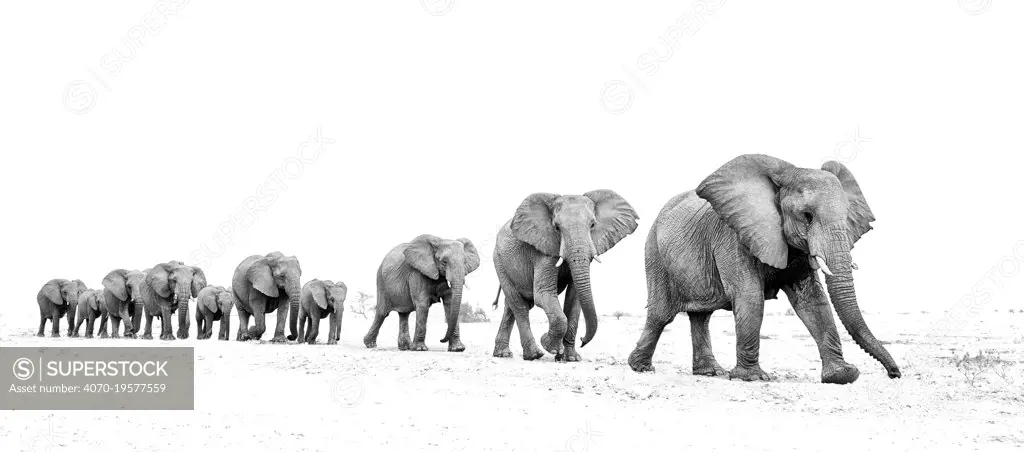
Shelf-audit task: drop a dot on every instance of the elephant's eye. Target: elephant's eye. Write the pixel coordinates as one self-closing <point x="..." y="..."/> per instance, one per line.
<point x="593" y="224"/>
<point x="808" y="217"/>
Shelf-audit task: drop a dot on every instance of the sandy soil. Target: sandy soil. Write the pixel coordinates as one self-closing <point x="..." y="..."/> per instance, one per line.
<point x="262" y="396"/>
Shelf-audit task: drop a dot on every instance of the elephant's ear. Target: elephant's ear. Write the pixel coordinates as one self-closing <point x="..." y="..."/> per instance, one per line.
<point x="261" y="278"/>
<point x="859" y="216"/>
<point x="615" y="219"/>
<point x="420" y="255"/>
<point x="319" y="293"/>
<point x="115" y="282"/>
<point x="52" y="292"/>
<point x="340" y="292"/>
<point x="157" y="279"/>
<point x="198" y="281"/>
<point x="744" y="194"/>
<point x="472" y="256"/>
<point x="533" y="223"/>
<point x="92" y="300"/>
<point x="208" y="300"/>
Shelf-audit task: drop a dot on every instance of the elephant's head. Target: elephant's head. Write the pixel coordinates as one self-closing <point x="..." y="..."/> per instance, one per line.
<point x="218" y="298"/>
<point x="276" y="274"/>
<point x="62" y="292"/>
<point x="452" y="260"/>
<point x="783" y="214"/>
<point x="124" y="284"/>
<point x="575" y="229"/>
<point x="174" y="279"/>
<point x="328" y="293"/>
<point x="91" y="299"/>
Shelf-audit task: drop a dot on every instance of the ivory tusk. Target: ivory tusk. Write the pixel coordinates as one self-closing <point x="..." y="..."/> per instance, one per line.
<point x="559" y="263"/>
<point x="597" y="259"/>
<point x="853" y="265"/>
<point x="823" y="265"/>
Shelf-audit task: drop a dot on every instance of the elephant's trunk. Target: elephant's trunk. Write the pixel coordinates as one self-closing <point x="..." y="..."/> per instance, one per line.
<point x="183" y="320"/>
<point x="294" y="291"/>
<point x="844" y="297"/>
<point x="579" y="265"/>
<point x="454" y="307"/>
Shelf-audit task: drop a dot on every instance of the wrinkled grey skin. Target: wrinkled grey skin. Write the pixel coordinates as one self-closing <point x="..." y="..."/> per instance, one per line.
<point x="122" y="295"/>
<point x="319" y="300"/>
<point x="214" y="303"/>
<point x="90" y="306"/>
<point x="754" y="227"/>
<point x="167" y="288"/>
<point x="56" y="298"/>
<point x="548" y="229"/>
<point x="262" y="285"/>
<point x="417" y="274"/>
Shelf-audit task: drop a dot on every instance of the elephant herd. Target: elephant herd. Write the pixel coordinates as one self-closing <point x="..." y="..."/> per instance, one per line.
<point x="755" y="226"/>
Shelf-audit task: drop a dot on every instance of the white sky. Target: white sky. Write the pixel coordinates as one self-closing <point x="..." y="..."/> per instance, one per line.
<point x="443" y="124"/>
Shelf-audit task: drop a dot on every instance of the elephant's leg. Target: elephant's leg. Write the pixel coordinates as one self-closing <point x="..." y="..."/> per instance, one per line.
<point x="704" y="362"/>
<point x="166" y="324"/>
<point x="748" y="310"/>
<point x="74" y="332"/>
<point x="90" y="322"/>
<point x="259" y="316"/>
<point x="521" y="314"/>
<point x="148" y="334"/>
<point x="811" y="305"/>
<point x="42" y="325"/>
<point x="314" y="324"/>
<point x="572" y="316"/>
<point x="55" y="318"/>
<point x="404" y="341"/>
<point x="419" y="343"/>
<point x="200" y="323"/>
<point x="103" y="325"/>
<point x="501" y="340"/>
<point x="370" y="339"/>
<point x="660" y="313"/>
<point x="304" y="325"/>
<point x="282" y="321"/>
<point x="225" y="326"/>
<point x="243" y="325"/>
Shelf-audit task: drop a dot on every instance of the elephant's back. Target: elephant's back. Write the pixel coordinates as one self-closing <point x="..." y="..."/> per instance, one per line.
<point x="685" y="238"/>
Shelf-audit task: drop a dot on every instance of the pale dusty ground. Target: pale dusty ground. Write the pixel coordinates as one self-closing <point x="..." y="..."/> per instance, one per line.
<point x="262" y="396"/>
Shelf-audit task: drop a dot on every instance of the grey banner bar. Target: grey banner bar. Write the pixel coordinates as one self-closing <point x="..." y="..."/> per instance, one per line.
<point x="97" y="378"/>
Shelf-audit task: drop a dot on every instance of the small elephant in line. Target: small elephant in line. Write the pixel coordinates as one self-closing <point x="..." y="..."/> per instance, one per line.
<point x="213" y="303"/>
<point x="417" y="274"/>
<point x="166" y="289"/>
<point x="756" y="226"/>
<point x="90" y="307"/>
<point x="123" y="299"/>
<point x="262" y="285"/>
<point x="319" y="300"/>
<point x="56" y="298"/>
<point x="547" y="247"/>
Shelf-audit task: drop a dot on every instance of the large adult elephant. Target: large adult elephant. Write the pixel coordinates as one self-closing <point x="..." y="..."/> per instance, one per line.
<point x="56" y="298"/>
<point x="547" y="247"/>
<point x="754" y="227"/>
<point x="417" y="274"/>
<point x="165" y="289"/>
<point x="262" y="285"/>
<point x="121" y="294"/>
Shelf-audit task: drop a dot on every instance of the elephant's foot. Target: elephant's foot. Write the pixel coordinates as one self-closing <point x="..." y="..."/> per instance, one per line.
<point x="370" y="342"/>
<point x="640" y="361"/>
<point x="147" y="336"/>
<point x="753" y="373"/>
<point x="280" y="339"/>
<point x="129" y="336"/>
<point x="332" y="341"/>
<point x="40" y="335"/>
<point x="419" y="346"/>
<point x="54" y="334"/>
<point x="455" y="345"/>
<point x="253" y="333"/>
<point x="104" y="335"/>
<point x="839" y="372"/>
<point x="182" y="334"/>
<point x="404" y="342"/>
<point x="708" y="366"/>
<point x="87" y="335"/>
<point x="502" y="351"/>
<point x="166" y="337"/>
<point x="531" y="353"/>
<point x="551" y="344"/>
<point x="569" y="355"/>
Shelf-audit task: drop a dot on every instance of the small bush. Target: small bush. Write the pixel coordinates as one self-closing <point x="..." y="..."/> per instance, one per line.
<point x="973" y="367"/>
<point x="789" y="312"/>
<point x="1012" y="311"/>
<point x="619" y="314"/>
<point x="469" y="314"/>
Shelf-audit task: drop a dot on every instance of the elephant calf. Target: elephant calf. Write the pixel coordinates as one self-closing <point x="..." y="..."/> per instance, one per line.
<point x="213" y="303"/>
<point x="56" y="298"/>
<point x="321" y="299"/>
<point x="417" y="274"/>
<point x="90" y="306"/>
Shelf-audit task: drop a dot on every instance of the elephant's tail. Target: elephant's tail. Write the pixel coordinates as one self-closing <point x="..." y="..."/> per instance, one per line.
<point x="496" y="297"/>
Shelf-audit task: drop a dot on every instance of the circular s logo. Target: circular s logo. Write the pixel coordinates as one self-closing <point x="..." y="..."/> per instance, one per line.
<point x="24" y="369"/>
